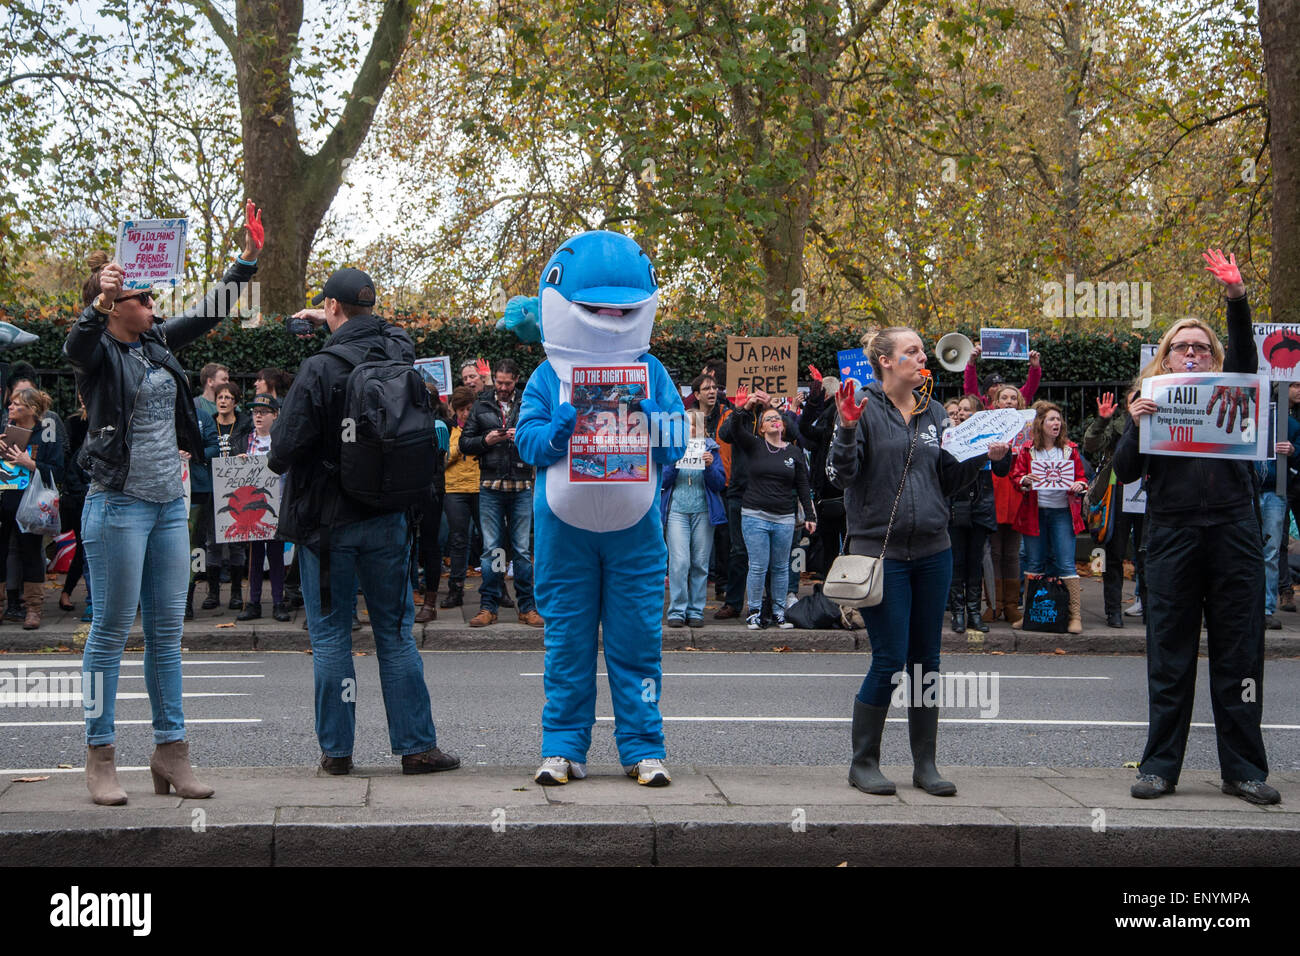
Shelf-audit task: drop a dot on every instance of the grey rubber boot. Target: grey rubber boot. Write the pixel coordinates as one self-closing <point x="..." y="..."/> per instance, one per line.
<point x="923" y="728"/>
<point x="864" y="772"/>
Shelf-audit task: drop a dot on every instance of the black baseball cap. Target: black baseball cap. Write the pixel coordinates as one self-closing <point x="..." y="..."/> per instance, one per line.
<point x="269" y="402"/>
<point x="350" y="286"/>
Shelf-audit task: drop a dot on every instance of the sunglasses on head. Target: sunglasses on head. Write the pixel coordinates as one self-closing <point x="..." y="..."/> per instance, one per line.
<point x="146" y="298"/>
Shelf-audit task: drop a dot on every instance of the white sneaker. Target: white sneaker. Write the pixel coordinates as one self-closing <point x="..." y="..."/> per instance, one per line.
<point x="650" y="773"/>
<point x="557" y="770"/>
<point x="1135" y="609"/>
<point x="782" y="623"/>
<point x="790" y="599"/>
<point x="754" y="621"/>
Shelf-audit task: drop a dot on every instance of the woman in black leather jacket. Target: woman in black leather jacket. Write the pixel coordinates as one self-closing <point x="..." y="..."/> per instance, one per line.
<point x="134" y="524"/>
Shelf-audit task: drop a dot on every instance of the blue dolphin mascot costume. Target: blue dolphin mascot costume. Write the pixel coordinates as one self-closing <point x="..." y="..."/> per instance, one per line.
<point x="600" y="558"/>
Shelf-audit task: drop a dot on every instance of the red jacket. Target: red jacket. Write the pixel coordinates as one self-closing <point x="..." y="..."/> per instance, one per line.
<point x="1027" y="517"/>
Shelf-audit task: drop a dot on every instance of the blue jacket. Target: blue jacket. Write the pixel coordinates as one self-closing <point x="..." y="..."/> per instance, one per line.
<point x="715" y="482"/>
<point x="201" y="472"/>
<point x="1268" y="469"/>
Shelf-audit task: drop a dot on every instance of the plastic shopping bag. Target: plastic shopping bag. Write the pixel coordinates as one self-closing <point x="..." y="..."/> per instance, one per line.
<point x="38" y="512"/>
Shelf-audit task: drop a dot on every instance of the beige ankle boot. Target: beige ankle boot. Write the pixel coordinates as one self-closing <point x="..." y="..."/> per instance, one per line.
<point x="170" y="766"/>
<point x="34" y="599"/>
<point x="1076" y="606"/>
<point x="101" y="776"/>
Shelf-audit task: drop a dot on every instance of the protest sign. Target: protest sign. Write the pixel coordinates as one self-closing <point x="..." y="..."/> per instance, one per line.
<point x="13" y="477"/>
<point x="1148" y="353"/>
<point x="436" y="371"/>
<point x="1005" y="344"/>
<point x="855" y="367"/>
<point x="763" y="363"/>
<point x="245" y="499"/>
<point x="1205" y="415"/>
<point x="1052" y="475"/>
<point x="1135" y="498"/>
<point x="693" y="460"/>
<point x="151" y="252"/>
<point x="973" y="436"/>
<point x="610" y="441"/>
<point x="1279" y="351"/>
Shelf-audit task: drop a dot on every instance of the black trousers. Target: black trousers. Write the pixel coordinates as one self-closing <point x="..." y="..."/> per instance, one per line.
<point x="1112" y="579"/>
<point x="426" y="544"/>
<point x="462" y="511"/>
<point x="1217" y="572"/>
<point x="70" y="508"/>
<point x="29" y="549"/>
<point x="968" y="560"/>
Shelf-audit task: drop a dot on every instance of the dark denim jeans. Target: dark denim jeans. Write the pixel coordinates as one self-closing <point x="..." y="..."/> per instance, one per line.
<point x="496" y="509"/>
<point x="905" y="628"/>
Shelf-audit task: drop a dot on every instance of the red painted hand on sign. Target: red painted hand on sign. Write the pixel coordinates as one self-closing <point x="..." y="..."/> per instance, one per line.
<point x="1233" y="399"/>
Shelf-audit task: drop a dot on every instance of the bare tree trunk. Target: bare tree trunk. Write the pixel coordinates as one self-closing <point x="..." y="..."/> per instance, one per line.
<point x="1279" y="29"/>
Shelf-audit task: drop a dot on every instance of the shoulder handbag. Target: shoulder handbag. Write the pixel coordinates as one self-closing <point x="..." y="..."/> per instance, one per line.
<point x="1100" y="505"/>
<point x="858" y="580"/>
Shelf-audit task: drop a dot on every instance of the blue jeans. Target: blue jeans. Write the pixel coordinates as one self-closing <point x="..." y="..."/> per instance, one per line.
<point x="1273" y="509"/>
<point x="516" y="509"/>
<point x="906" y="627"/>
<point x="376" y="554"/>
<point x="138" y="554"/>
<point x="690" y="543"/>
<point x="1051" y="551"/>
<point x="768" y="546"/>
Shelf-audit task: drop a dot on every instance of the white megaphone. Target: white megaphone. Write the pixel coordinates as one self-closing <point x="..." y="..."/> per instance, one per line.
<point x="954" y="351"/>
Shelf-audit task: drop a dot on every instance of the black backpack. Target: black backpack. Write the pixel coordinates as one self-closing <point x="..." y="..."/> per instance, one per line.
<point x="389" y="455"/>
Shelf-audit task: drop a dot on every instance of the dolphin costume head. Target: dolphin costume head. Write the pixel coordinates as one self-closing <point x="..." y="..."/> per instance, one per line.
<point x="595" y="303"/>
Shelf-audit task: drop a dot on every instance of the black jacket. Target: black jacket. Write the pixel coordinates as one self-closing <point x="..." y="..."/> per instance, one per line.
<point x="817" y="426"/>
<point x="975" y="504"/>
<point x="1197" y="491"/>
<point x="109" y="380"/>
<point x="239" y="431"/>
<point x="307" y="437"/>
<point x="499" y="461"/>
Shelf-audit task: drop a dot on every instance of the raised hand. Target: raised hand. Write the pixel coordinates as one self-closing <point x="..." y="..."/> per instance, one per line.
<point x="812" y="370"/>
<point x="1035" y="360"/>
<point x="850" y="409"/>
<point x="742" y="396"/>
<point x="110" y="284"/>
<point x="974" y="355"/>
<point x="256" y="233"/>
<point x="1106" y="405"/>
<point x="1232" y="400"/>
<point x="1225" y="270"/>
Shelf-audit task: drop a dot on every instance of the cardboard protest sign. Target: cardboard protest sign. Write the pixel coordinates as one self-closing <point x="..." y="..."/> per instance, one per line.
<point x="973" y="436"/>
<point x="1279" y="351"/>
<point x="1205" y="415"/>
<point x="151" y="252"/>
<point x="763" y="363"/>
<point x="693" y="460"/>
<point x="1005" y="344"/>
<point x="1052" y="475"/>
<point x="1135" y="498"/>
<point x="245" y="499"/>
<point x="608" y="443"/>
<point x="436" y="371"/>
<point x="855" y="367"/>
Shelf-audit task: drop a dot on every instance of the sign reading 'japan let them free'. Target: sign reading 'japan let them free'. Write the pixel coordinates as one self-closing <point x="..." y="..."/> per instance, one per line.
<point x="768" y="363"/>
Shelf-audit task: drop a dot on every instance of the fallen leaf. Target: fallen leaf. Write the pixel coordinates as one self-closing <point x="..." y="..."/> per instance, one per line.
<point x="1131" y="764"/>
<point x="230" y="624"/>
<point x="65" y="766"/>
<point x="1059" y="650"/>
<point x="30" y="779"/>
<point x="358" y="653"/>
<point x="997" y="653"/>
<point x="844" y="864"/>
<point x="783" y="649"/>
<point x="690" y="648"/>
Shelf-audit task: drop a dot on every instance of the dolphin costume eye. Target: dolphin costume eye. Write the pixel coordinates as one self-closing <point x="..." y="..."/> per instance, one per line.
<point x="553" y="274"/>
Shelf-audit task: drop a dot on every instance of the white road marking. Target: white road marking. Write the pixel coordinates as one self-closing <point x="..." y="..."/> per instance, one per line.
<point x="53" y="700"/>
<point x="6" y="661"/>
<point x="856" y="676"/>
<point x="30" y="770"/>
<point x="942" y="720"/>
<point x="130" y="723"/>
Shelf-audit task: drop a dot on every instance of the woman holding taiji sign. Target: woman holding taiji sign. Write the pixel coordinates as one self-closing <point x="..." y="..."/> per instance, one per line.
<point x="897" y="480"/>
<point x="134" y="524"/>
<point x="1205" y="558"/>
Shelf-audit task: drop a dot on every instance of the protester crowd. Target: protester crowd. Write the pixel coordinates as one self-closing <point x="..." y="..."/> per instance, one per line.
<point x="772" y="490"/>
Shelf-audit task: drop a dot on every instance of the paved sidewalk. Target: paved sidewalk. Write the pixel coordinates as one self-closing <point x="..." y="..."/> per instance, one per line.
<point x="710" y="815"/>
<point x="218" y="630"/>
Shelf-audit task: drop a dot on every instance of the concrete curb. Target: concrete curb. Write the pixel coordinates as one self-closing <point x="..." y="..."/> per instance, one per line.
<point x="451" y="636"/>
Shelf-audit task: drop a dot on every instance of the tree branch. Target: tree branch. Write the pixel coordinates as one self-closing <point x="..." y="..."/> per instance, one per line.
<point x="219" y="24"/>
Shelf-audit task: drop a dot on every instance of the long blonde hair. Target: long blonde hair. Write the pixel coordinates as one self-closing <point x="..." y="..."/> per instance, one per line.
<point x="1157" y="365"/>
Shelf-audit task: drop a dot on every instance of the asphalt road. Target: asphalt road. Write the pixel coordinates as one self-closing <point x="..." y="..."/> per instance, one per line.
<point x="255" y="709"/>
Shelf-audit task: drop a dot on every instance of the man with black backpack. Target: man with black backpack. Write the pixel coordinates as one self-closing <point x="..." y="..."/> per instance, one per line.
<point x="355" y="441"/>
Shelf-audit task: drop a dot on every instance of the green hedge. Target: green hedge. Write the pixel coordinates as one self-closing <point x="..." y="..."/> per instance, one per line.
<point x="682" y="345"/>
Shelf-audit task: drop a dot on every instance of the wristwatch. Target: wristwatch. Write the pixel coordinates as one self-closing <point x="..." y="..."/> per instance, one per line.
<point x="98" y="307"/>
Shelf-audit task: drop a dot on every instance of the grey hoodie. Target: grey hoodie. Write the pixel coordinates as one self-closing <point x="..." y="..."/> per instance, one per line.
<point x="867" y="462"/>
